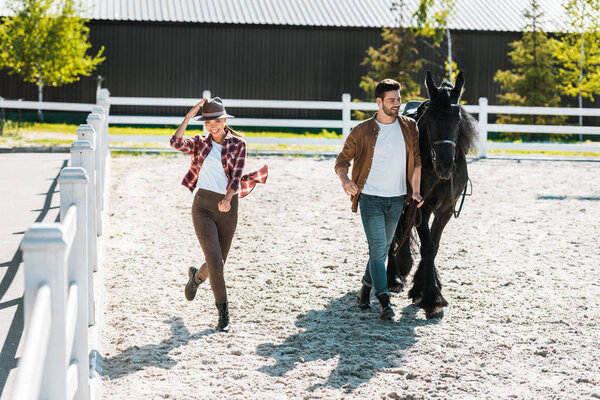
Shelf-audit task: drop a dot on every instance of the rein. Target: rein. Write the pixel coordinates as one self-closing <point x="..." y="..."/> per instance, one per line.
<point x="412" y="214"/>
<point x="462" y="201"/>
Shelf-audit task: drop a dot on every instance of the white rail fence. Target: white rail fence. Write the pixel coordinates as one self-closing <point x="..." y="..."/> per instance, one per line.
<point x="346" y="106"/>
<point x="346" y="123"/>
<point x="60" y="260"/>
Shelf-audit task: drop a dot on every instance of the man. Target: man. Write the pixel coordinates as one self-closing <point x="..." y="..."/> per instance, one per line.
<point x="387" y="167"/>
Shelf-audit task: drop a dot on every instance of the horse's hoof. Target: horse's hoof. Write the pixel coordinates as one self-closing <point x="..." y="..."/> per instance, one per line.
<point x="396" y="288"/>
<point x="436" y="313"/>
<point x="417" y="301"/>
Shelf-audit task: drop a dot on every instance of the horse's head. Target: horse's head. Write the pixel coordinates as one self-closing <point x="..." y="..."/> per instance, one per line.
<point x="442" y="120"/>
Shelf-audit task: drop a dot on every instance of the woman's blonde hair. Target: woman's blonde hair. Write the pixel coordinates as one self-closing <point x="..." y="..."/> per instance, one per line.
<point x="233" y="132"/>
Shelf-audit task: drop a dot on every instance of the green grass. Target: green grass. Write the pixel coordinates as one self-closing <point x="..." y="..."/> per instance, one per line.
<point x="47" y="134"/>
<point x="166" y="131"/>
<point x="547" y="153"/>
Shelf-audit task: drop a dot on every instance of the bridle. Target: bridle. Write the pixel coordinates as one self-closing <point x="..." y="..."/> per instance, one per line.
<point x="433" y="153"/>
<point x="437" y="142"/>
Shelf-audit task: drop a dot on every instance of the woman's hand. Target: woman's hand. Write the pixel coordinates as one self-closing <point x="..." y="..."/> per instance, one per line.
<point x="194" y="111"/>
<point x="224" y="205"/>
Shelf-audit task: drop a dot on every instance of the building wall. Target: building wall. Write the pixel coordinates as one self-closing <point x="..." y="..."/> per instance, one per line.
<point x="253" y="62"/>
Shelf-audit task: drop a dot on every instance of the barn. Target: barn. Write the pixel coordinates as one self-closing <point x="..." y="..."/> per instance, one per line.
<point x="272" y="49"/>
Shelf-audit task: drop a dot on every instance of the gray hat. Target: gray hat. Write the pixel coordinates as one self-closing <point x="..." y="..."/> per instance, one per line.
<point x="213" y="109"/>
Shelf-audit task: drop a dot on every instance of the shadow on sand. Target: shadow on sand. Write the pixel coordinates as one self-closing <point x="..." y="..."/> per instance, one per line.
<point x="363" y="345"/>
<point x="136" y="358"/>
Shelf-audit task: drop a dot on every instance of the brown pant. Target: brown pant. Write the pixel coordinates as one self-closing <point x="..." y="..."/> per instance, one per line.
<point x="215" y="230"/>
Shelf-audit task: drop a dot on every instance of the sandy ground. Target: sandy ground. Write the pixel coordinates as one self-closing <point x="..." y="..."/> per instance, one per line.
<point x="520" y="268"/>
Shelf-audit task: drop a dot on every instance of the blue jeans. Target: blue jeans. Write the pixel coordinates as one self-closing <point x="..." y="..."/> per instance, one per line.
<point x="380" y="217"/>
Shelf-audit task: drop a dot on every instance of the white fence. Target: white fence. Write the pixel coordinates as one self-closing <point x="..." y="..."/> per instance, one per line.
<point x="60" y="260"/>
<point x="346" y="106"/>
<point x="346" y="123"/>
<point x="484" y="127"/>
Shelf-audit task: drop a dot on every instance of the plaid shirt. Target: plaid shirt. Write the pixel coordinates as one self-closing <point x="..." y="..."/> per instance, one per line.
<point x="233" y="158"/>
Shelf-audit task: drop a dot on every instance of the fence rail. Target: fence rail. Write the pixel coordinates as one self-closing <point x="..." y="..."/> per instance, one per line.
<point x="346" y="123"/>
<point x="59" y="261"/>
<point x="46" y="105"/>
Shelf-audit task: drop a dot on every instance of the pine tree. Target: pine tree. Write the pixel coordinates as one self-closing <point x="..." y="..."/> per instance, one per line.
<point x="398" y="57"/>
<point x="533" y="80"/>
<point x="46" y="47"/>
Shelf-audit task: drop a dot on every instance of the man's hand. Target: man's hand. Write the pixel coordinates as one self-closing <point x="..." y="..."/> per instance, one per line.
<point x="349" y="187"/>
<point x="224" y="205"/>
<point x="418" y="198"/>
<point x="194" y="111"/>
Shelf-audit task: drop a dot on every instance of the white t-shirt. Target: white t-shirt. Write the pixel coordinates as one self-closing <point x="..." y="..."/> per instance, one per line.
<point x="387" y="176"/>
<point x="212" y="175"/>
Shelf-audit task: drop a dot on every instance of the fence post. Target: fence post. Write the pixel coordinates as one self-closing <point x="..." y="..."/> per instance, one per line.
<point x="44" y="257"/>
<point x="87" y="132"/>
<point x="100" y="153"/>
<point x="205" y="95"/>
<point x="103" y="100"/>
<point x="346" y="115"/>
<point x="74" y="186"/>
<point x="483" y="122"/>
<point x="96" y="121"/>
<point x="82" y="155"/>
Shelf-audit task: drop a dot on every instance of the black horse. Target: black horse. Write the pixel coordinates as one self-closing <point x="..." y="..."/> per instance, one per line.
<point x="446" y="132"/>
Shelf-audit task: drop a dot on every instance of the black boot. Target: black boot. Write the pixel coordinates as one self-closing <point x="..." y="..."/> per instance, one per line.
<point x="385" y="307"/>
<point x="192" y="285"/>
<point x="363" y="297"/>
<point x="223" y="325"/>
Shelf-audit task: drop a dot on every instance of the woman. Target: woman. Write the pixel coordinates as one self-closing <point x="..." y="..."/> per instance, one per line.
<point x="217" y="162"/>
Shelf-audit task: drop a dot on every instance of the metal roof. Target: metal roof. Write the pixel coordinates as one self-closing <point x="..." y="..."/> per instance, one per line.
<point x="481" y="15"/>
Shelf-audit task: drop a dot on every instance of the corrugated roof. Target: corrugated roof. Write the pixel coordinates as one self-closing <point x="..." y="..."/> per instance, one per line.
<point x="484" y="15"/>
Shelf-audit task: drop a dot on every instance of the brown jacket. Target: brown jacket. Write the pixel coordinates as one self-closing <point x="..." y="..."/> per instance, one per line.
<point x="360" y="146"/>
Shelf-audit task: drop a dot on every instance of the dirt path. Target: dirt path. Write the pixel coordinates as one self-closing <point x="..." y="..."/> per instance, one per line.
<point x="520" y="268"/>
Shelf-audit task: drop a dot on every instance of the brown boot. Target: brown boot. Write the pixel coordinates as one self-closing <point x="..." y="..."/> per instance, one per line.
<point x="192" y="285"/>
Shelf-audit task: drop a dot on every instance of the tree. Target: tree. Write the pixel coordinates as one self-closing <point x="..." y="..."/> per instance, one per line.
<point x="395" y="59"/>
<point x="533" y="80"/>
<point x="398" y="57"/>
<point x="578" y="51"/>
<point x="46" y="43"/>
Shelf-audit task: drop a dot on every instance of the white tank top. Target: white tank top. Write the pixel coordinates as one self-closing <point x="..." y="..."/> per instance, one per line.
<point x="212" y="175"/>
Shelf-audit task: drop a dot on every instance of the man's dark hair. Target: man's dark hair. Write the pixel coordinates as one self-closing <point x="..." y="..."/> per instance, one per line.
<point x="385" y="86"/>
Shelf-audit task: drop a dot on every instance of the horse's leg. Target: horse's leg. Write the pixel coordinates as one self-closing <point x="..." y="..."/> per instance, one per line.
<point x="416" y="292"/>
<point x="432" y="300"/>
<point x="437" y="227"/>
<point x="399" y="266"/>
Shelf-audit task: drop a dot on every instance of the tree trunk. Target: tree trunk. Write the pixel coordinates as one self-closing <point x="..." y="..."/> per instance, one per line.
<point x="40" y="98"/>
<point x="450" y="73"/>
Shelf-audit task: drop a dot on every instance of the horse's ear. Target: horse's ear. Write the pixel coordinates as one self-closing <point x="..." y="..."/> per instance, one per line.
<point x="431" y="89"/>
<point x="458" y="86"/>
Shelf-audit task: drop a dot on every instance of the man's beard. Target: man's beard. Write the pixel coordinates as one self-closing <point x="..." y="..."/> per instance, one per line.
<point x="390" y="112"/>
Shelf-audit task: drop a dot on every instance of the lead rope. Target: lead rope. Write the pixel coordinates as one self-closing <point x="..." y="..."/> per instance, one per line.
<point x="413" y="213"/>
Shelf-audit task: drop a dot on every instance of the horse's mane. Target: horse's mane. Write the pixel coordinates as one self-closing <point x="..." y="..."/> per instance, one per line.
<point x="467" y="127"/>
